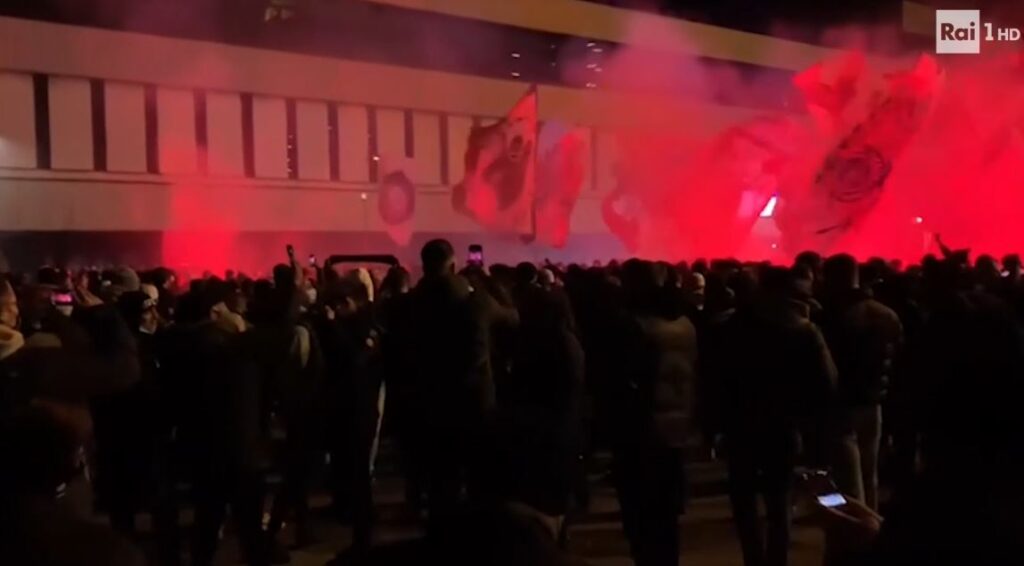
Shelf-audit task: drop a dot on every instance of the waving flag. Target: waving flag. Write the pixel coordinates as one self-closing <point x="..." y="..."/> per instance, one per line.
<point x="396" y="200"/>
<point x="622" y="212"/>
<point x="852" y="176"/>
<point x="498" y="187"/>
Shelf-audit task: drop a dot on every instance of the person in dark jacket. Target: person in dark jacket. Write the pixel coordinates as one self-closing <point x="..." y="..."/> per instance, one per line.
<point x="971" y="438"/>
<point x="394" y="309"/>
<point x="223" y="424"/>
<point x="452" y="326"/>
<point x="542" y="404"/>
<point x="775" y="378"/>
<point x="350" y="339"/>
<point x="134" y="431"/>
<point x="863" y="336"/>
<point x="42" y="456"/>
<point x="653" y="384"/>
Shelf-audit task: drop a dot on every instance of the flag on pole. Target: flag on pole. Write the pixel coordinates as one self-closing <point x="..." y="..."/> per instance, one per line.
<point x="499" y="183"/>
<point x="560" y="175"/>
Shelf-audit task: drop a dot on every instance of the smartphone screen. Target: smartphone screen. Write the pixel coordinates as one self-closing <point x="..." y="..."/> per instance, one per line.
<point x="476" y="255"/>
<point x="831" y="500"/>
<point x="62" y="299"/>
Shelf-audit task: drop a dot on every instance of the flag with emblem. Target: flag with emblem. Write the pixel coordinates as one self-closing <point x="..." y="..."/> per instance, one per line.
<point x="498" y="187"/>
<point x="396" y="199"/>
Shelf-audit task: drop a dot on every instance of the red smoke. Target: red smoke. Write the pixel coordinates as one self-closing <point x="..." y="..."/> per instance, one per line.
<point x="877" y="165"/>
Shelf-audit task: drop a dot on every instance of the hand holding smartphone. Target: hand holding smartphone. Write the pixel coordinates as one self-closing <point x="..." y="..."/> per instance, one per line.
<point x="821" y="487"/>
<point x="475" y="256"/>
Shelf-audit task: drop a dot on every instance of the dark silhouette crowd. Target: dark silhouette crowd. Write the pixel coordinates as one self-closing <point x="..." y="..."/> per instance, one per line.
<point x="133" y="401"/>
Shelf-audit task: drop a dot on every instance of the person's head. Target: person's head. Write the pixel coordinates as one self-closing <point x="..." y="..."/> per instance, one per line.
<point x="139" y="311"/>
<point x="39" y="454"/>
<point x="53" y="277"/>
<point x="214" y="298"/>
<point x="810" y="259"/>
<point x="640" y="285"/>
<point x="673" y="279"/>
<point x="526" y="273"/>
<point x="236" y="301"/>
<point x="35" y="303"/>
<point x="547" y="278"/>
<point x="776" y="284"/>
<point x="986" y="270"/>
<point x="164" y="279"/>
<point x="344" y="297"/>
<point x="743" y="286"/>
<point x="396" y="282"/>
<point x="10" y="314"/>
<point x="120" y="280"/>
<point x="1012" y="265"/>
<point x="363" y="277"/>
<point x="840" y="273"/>
<point x="284" y="276"/>
<point x="438" y="258"/>
<point x="718" y="297"/>
<point x="694" y="285"/>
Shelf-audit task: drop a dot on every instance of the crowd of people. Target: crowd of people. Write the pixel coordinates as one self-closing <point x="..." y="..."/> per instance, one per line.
<point x="498" y="385"/>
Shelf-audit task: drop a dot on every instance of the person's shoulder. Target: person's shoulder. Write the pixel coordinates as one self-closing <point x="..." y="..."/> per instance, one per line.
<point x="875" y="312"/>
<point x="54" y="537"/>
<point x="108" y="547"/>
<point x="802" y="329"/>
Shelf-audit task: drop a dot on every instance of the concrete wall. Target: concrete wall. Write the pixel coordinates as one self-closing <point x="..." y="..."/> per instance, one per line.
<point x="147" y="134"/>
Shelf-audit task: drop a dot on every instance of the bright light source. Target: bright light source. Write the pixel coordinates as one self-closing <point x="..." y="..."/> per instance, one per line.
<point x="775" y="246"/>
<point x="364" y="196"/>
<point x="515" y="74"/>
<point x="918" y="220"/>
<point x="769" y="209"/>
<point x="515" y="54"/>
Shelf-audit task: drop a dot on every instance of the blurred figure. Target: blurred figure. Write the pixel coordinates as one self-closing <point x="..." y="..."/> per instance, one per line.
<point x="541" y="405"/>
<point x="863" y="336"/>
<point x="351" y="343"/>
<point x="775" y="379"/>
<point x="220" y="387"/>
<point x="134" y="432"/>
<point x="654" y="385"/>
<point x="452" y="324"/>
<point x="41" y="457"/>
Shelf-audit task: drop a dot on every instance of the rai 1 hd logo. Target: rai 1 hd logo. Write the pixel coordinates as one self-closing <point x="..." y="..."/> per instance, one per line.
<point x="962" y="31"/>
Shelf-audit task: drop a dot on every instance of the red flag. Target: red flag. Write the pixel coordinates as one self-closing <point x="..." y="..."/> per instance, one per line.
<point x="396" y="200"/>
<point x="851" y="179"/>
<point x="829" y="88"/>
<point x="498" y="186"/>
<point x="622" y="211"/>
<point x="559" y="181"/>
